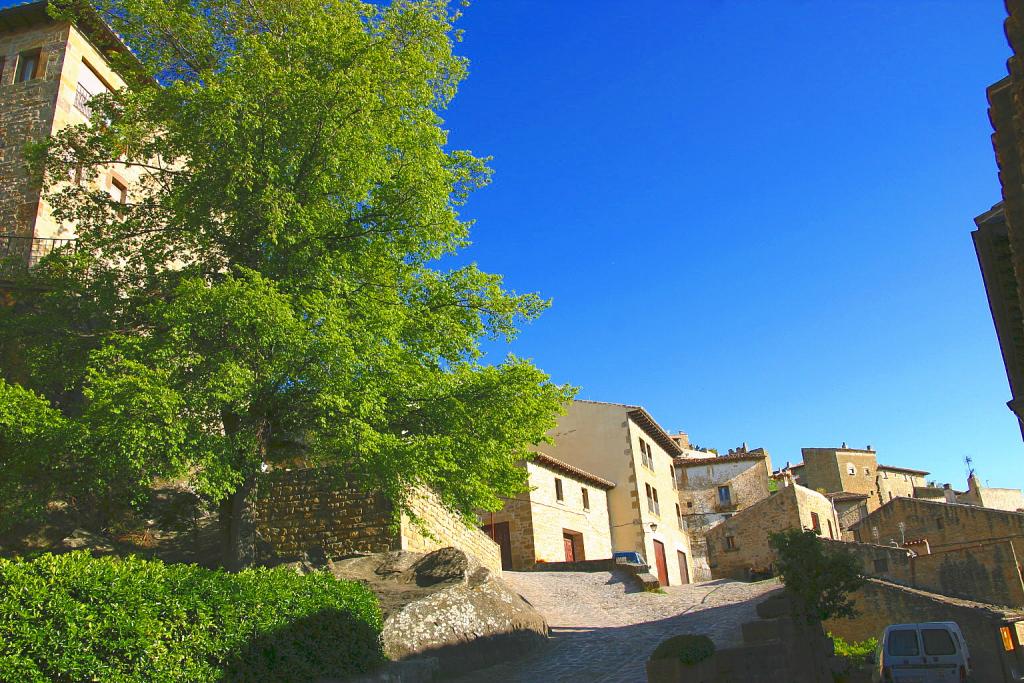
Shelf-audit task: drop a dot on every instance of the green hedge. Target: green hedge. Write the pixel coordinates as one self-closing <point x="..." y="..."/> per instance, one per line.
<point x="688" y="649"/>
<point x="77" y="618"/>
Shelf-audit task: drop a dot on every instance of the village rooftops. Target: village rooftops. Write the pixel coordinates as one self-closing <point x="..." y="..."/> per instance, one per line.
<point x="571" y="471"/>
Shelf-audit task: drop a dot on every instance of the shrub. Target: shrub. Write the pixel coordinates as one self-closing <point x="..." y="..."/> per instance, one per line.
<point x="856" y="653"/>
<point x="688" y="649"/>
<point x="77" y="618"/>
<point x="820" y="577"/>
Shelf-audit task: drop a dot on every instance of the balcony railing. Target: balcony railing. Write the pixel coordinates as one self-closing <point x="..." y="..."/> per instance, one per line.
<point x="82" y="97"/>
<point x="18" y="253"/>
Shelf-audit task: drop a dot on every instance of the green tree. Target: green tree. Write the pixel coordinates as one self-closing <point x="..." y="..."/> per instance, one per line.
<point x="820" y="577"/>
<point x="279" y="278"/>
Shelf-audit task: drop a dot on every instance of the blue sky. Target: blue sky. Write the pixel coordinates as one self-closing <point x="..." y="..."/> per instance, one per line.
<point x="753" y="218"/>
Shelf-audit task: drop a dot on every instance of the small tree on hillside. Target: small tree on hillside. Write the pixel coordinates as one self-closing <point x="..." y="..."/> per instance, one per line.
<point x="819" y="577"/>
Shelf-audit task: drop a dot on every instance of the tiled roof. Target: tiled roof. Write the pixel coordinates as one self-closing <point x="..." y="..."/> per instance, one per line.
<point x="654" y="430"/>
<point x="720" y="458"/>
<point x="902" y="469"/>
<point x="843" y="496"/>
<point x="571" y="470"/>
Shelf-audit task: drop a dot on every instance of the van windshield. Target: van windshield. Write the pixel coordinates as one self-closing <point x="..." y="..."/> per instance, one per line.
<point x="937" y="642"/>
<point x="903" y="643"/>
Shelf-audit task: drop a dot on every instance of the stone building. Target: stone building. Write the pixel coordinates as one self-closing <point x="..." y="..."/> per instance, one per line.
<point x="49" y="71"/>
<point x="1011" y="500"/>
<point x="999" y="237"/>
<point x="944" y="525"/>
<point x="623" y="444"/>
<point x="562" y="518"/>
<point x="712" y="489"/>
<point x="856" y="472"/>
<point x="738" y="547"/>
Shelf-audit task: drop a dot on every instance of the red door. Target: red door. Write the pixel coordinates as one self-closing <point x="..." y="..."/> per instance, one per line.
<point x="500" y="534"/>
<point x="684" y="573"/>
<point x="659" y="562"/>
<point x="570" y="550"/>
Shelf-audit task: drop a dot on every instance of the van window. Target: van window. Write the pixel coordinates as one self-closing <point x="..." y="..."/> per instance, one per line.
<point x="937" y="642"/>
<point x="903" y="643"/>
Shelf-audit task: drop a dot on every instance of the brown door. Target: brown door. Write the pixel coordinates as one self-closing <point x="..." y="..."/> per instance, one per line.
<point x="570" y="550"/>
<point x="684" y="573"/>
<point x="659" y="562"/>
<point x="500" y="534"/>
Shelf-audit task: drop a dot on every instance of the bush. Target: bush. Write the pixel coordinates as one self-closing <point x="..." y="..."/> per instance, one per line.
<point x="688" y="649"/>
<point x="854" y="654"/>
<point x="77" y="618"/>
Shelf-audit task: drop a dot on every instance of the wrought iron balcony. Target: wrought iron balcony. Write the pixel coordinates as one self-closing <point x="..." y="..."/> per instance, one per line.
<point x="18" y="253"/>
<point x="82" y="97"/>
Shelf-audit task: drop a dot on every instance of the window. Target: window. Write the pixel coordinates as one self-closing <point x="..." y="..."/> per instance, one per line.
<point x="905" y="478"/>
<point x="903" y="643"/>
<point x="28" y="66"/>
<point x="881" y="565"/>
<point x="890" y="495"/>
<point x="830" y="532"/>
<point x="558" y="489"/>
<point x="119" y="191"/>
<point x="938" y="522"/>
<point x="652" y="499"/>
<point x="730" y="543"/>
<point x="937" y="642"/>
<point x="646" y="456"/>
<point x="586" y="498"/>
<point x="89" y="84"/>
<point x="885" y="475"/>
<point x="850" y="469"/>
<point x="679" y="515"/>
<point x="672" y="473"/>
<point x="689" y="503"/>
<point x="815" y="522"/>
<point x="867" y="471"/>
<point x="724" y="495"/>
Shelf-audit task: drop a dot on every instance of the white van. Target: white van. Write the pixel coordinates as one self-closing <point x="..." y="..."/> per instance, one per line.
<point x="933" y="652"/>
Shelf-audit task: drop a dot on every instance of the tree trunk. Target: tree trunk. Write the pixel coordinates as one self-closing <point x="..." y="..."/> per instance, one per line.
<point x="236" y="537"/>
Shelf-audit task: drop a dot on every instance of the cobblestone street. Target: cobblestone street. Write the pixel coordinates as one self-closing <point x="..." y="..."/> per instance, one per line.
<point x="603" y="631"/>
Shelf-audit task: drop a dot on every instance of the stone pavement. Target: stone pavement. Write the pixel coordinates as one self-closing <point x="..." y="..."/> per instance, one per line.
<point x="602" y="630"/>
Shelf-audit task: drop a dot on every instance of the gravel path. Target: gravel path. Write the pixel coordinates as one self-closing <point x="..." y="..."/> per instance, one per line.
<point x="602" y="631"/>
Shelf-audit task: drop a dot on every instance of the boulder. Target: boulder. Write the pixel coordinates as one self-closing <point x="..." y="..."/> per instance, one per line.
<point x="443" y="605"/>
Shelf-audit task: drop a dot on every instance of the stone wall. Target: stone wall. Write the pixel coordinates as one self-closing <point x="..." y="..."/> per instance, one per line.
<point x="881" y="603"/>
<point x="791" y="508"/>
<point x="443" y="528"/>
<point x="986" y="573"/>
<point x="26" y="114"/>
<point x="945" y="525"/>
<point x="304" y="510"/>
<point x="309" y="511"/>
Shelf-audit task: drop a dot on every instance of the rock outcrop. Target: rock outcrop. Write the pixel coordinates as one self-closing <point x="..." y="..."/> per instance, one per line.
<point x="446" y="606"/>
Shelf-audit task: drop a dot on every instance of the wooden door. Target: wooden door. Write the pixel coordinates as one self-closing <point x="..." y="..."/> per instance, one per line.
<point x="684" y="573"/>
<point x="501" y="535"/>
<point x="570" y="550"/>
<point x="660" y="563"/>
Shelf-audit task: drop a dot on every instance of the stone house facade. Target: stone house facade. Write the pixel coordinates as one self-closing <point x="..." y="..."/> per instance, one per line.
<point x="857" y="472"/>
<point x="562" y="518"/>
<point x="739" y="546"/>
<point x="712" y="489"/>
<point x="1011" y="500"/>
<point x="623" y="444"/>
<point x="49" y="70"/>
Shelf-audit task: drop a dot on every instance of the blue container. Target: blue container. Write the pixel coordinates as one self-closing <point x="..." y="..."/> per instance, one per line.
<point x="631" y="556"/>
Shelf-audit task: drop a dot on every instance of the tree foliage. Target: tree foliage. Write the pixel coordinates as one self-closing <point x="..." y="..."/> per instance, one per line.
<point x="279" y="278"/>
<point x="820" y="577"/>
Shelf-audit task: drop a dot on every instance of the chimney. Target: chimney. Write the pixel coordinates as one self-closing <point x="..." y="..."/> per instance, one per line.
<point x="844" y="445"/>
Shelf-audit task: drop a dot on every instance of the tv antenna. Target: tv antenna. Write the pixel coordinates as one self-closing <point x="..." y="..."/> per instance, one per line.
<point x="969" y="462"/>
